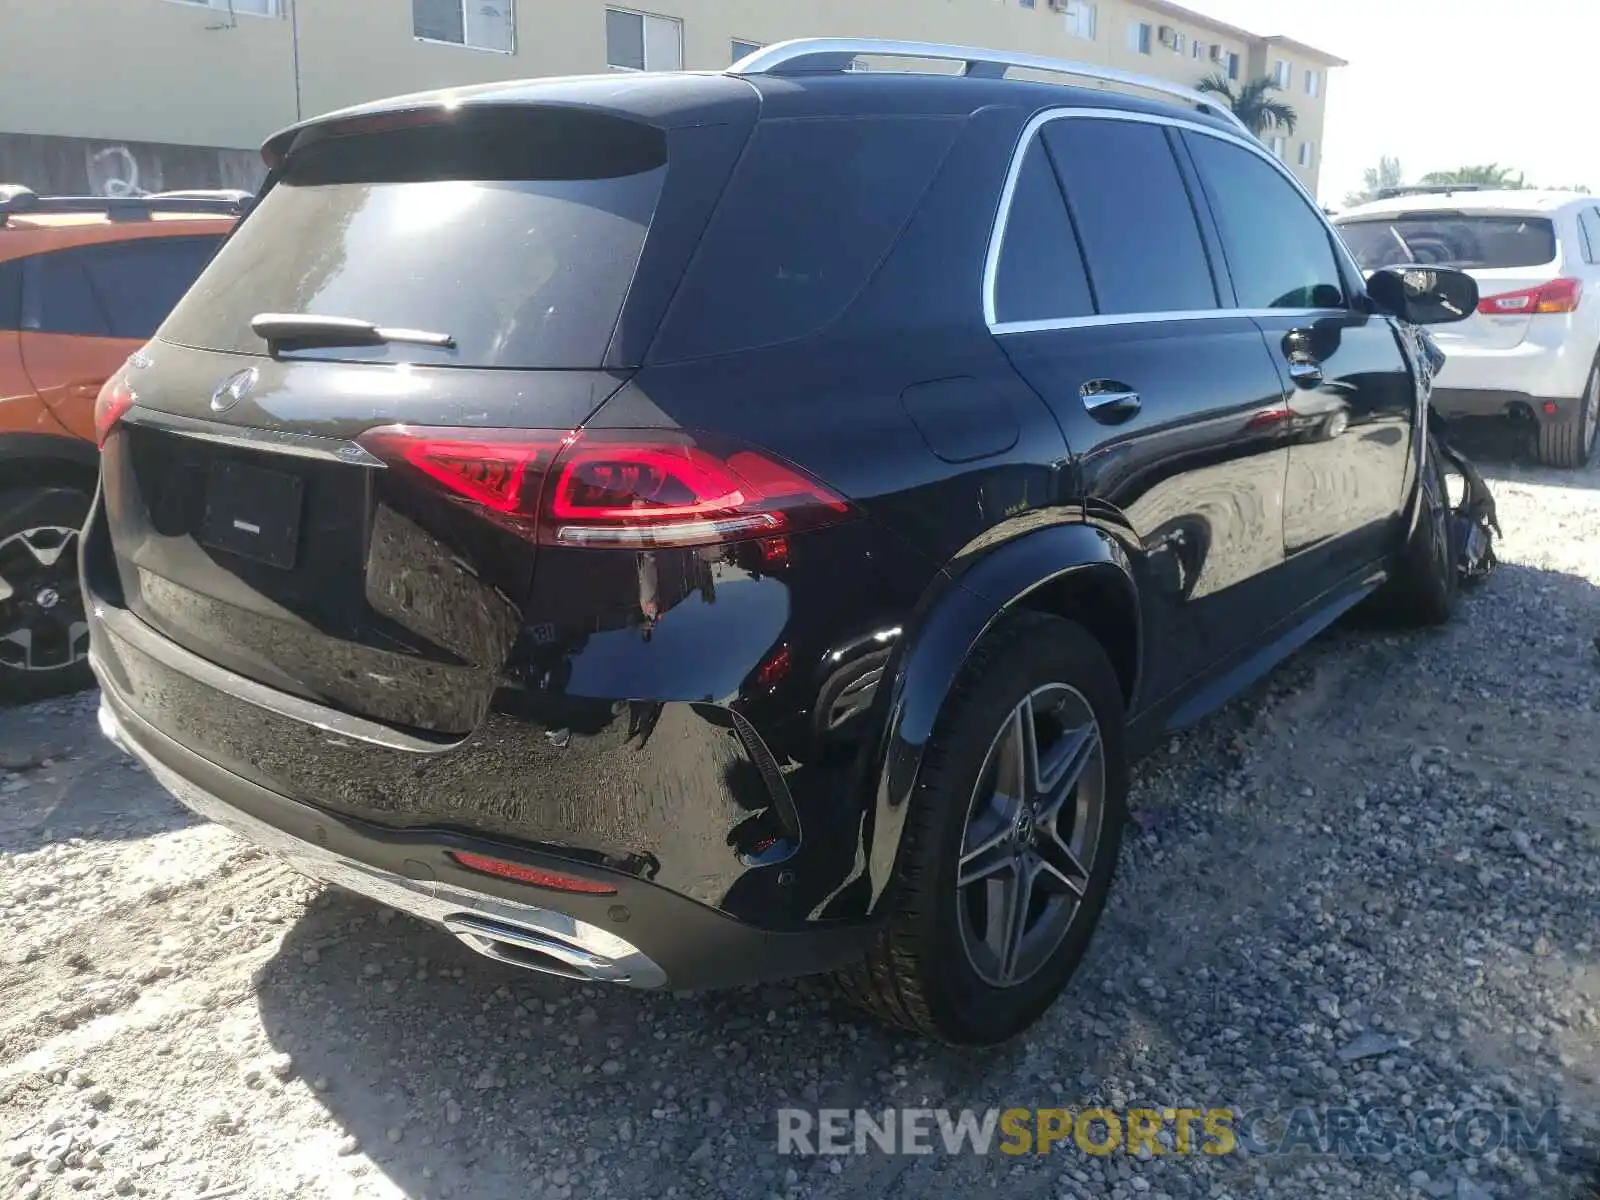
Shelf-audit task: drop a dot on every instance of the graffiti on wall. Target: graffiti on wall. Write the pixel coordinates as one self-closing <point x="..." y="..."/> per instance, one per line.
<point x="113" y="171"/>
<point x="85" y="166"/>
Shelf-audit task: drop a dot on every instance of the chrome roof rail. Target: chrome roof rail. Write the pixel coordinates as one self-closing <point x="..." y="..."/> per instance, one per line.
<point x="802" y="56"/>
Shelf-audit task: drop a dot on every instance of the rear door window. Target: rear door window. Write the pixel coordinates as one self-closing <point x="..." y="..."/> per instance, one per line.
<point x="1451" y="239"/>
<point x="516" y="232"/>
<point x="1040" y="275"/>
<point x="1141" y="238"/>
<point x="121" y="290"/>
<point x="1589" y="229"/>
<point x="1279" y="250"/>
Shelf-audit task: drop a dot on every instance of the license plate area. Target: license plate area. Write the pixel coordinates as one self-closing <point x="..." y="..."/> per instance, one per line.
<point x="252" y="512"/>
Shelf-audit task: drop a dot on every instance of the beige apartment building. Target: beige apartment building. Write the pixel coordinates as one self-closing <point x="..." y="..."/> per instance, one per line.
<point x="144" y="95"/>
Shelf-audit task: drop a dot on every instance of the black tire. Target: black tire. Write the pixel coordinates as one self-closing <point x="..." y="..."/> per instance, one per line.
<point x="54" y="661"/>
<point x="921" y="974"/>
<point x="1422" y="589"/>
<point x="1569" y="443"/>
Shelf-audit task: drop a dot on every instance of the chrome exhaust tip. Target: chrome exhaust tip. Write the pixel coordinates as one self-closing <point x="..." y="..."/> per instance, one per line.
<point x="547" y="952"/>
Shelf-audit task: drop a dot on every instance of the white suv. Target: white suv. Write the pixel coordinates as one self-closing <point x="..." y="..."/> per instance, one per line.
<point x="1530" y="350"/>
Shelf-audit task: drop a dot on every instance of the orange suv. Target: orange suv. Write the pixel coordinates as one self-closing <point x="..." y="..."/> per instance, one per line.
<point x="84" y="281"/>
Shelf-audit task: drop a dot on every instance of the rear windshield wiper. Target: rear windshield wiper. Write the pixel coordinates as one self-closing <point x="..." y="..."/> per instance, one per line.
<point x="300" y="331"/>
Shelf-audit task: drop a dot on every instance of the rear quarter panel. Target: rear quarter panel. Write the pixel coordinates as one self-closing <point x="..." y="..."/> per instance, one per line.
<point x="67" y="371"/>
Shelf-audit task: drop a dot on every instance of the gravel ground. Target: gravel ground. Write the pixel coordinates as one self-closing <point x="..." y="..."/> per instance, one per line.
<point x="1372" y="881"/>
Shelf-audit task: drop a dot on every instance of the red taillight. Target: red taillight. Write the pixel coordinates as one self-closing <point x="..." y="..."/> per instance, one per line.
<point x="530" y="875"/>
<point x="115" y="399"/>
<point x="635" y="488"/>
<point x="502" y="472"/>
<point x="1557" y="296"/>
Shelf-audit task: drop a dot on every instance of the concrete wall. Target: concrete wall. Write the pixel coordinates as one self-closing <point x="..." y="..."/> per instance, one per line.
<point x="69" y="166"/>
<point x="162" y="71"/>
<point x="143" y="70"/>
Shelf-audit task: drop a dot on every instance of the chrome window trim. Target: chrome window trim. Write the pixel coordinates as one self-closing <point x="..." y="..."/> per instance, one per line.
<point x="1207" y="314"/>
<point x="1030" y="131"/>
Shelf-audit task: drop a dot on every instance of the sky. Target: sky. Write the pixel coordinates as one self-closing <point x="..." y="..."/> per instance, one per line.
<point x="1447" y="83"/>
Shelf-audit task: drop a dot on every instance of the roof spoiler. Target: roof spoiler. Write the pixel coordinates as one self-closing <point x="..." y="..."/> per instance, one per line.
<point x="16" y="200"/>
<point x="1427" y="189"/>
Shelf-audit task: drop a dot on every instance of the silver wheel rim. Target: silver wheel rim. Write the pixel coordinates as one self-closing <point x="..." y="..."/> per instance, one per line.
<point x="1032" y="829"/>
<point x="41" y="613"/>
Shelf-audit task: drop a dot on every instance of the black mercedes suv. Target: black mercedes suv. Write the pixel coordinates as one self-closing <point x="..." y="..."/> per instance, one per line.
<point x="689" y="529"/>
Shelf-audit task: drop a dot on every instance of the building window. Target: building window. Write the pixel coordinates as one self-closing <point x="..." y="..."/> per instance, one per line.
<point x="1233" y="64"/>
<point x="1308" y="153"/>
<point x="1276" y="145"/>
<point x="1083" y="19"/>
<point x="478" y="24"/>
<point x="1139" y="35"/>
<point x="1282" y="74"/>
<point x="1199" y="49"/>
<point x="643" y="42"/>
<point x="1026" y="3"/>
<point x="743" y="49"/>
<point x="1313" y="82"/>
<point x="256" y="8"/>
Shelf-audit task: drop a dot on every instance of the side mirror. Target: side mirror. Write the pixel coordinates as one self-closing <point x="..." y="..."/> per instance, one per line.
<point x="1424" y="295"/>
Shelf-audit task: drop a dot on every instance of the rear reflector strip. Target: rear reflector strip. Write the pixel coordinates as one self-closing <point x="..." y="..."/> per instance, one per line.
<point x="532" y="876"/>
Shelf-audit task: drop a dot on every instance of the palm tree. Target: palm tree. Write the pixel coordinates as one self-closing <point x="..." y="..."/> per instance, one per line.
<point x="1253" y="103"/>
<point x="1491" y="175"/>
<point x="1387" y="174"/>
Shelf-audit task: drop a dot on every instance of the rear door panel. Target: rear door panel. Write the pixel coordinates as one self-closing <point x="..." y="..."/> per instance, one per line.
<point x="1197" y="477"/>
<point x="1350" y="404"/>
<point x="67" y="370"/>
<point x="1157" y="390"/>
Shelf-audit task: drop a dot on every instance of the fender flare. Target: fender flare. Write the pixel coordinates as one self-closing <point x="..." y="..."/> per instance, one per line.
<point x="941" y="636"/>
<point x="48" y="447"/>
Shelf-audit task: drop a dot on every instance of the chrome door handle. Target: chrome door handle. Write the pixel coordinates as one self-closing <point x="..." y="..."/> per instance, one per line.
<point x="1109" y="402"/>
<point x="1304" y="373"/>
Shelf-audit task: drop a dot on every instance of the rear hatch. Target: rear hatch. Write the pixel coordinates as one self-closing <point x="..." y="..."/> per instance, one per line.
<point x="499" y="251"/>
<point x="1511" y="256"/>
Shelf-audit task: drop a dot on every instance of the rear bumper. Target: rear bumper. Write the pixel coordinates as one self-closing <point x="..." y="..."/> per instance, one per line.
<point x="1492" y="402"/>
<point x="641" y="936"/>
<point x="1551" y="365"/>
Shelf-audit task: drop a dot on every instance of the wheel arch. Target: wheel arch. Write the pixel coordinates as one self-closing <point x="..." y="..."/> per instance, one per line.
<point x="1074" y="571"/>
<point x="45" y="460"/>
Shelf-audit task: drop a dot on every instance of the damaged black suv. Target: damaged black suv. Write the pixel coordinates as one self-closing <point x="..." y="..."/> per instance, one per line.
<point x="685" y="529"/>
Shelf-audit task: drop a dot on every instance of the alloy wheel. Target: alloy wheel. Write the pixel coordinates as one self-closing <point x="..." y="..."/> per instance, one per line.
<point x="41" y="609"/>
<point x="1033" y="823"/>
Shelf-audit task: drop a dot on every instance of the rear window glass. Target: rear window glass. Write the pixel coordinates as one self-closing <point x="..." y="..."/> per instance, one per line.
<point x="1451" y="239"/>
<point x="812" y="210"/>
<point x="517" y="233"/>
